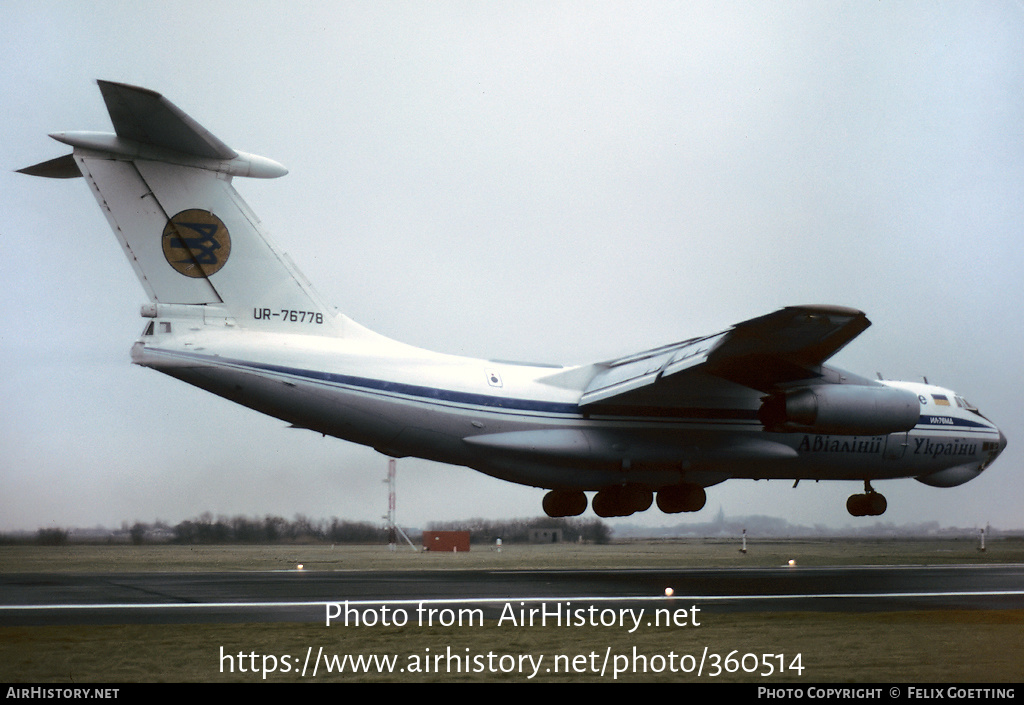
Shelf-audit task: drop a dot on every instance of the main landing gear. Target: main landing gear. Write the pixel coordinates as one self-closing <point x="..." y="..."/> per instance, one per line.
<point x="564" y="503"/>
<point x="623" y="500"/>
<point x="869" y="504"/>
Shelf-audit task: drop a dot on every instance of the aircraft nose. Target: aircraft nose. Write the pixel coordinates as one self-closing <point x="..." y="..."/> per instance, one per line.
<point x="1002" y="441"/>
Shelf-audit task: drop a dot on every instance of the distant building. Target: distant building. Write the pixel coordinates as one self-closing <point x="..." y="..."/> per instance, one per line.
<point x="545" y="536"/>
<point x="450" y="541"/>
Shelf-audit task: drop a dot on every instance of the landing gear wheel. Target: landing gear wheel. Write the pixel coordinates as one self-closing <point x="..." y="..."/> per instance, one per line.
<point x="869" y="504"/>
<point x="564" y="503"/>
<point x="622" y="501"/>
<point x="681" y="498"/>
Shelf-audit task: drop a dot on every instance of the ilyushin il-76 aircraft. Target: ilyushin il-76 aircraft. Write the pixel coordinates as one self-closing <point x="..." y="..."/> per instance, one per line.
<point x="230" y="313"/>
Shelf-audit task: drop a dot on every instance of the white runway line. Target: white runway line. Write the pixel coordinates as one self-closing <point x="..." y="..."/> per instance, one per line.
<point x="503" y="600"/>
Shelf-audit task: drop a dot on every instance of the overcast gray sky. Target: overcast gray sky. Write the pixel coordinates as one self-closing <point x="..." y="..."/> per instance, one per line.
<point x="544" y="181"/>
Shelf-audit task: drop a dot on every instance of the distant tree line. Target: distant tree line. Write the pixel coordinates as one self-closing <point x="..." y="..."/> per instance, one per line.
<point x="274" y="529"/>
<point x="207" y="529"/>
<point x="42" y="537"/>
<point x="518" y="530"/>
<point x="52" y="537"/>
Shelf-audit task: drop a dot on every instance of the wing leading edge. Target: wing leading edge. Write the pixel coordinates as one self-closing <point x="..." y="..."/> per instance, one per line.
<point x="788" y="345"/>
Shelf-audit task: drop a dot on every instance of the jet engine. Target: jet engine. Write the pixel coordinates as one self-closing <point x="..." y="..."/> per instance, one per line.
<point x="845" y="409"/>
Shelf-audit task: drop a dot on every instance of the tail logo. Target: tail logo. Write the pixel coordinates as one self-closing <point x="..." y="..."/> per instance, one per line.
<point x="196" y="243"/>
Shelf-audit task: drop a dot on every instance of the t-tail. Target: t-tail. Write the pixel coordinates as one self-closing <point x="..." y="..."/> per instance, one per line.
<point x="164" y="183"/>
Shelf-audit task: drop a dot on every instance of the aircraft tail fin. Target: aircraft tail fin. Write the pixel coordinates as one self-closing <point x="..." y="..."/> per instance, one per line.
<point x="164" y="184"/>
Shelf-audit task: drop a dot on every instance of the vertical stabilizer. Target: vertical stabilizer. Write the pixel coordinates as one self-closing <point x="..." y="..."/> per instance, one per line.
<point x="164" y="185"/>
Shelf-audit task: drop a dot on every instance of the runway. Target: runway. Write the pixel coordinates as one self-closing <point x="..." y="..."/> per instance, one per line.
<point x="304" y="596"/>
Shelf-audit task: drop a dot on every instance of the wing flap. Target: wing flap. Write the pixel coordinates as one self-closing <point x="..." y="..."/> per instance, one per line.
<point x="785" y="346"/>
<point x="636" y="371"/>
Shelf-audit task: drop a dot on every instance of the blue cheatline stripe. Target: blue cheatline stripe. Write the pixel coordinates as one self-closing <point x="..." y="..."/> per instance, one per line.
<point x="469" y="398"/>
<point x="413" y="390"/>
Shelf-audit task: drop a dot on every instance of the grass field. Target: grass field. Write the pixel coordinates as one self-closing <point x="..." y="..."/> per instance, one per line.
<point x="635" y="554"/>
<point x="901" y="647"/>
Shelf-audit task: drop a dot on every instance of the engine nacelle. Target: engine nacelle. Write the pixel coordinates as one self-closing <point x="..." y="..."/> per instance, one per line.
<point x="845" y="409"/>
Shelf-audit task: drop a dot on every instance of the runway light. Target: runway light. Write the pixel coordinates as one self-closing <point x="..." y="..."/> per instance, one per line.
<point x="300" y="566"/>
<point x="792" y="562"/>
<point x="669" y="592"/>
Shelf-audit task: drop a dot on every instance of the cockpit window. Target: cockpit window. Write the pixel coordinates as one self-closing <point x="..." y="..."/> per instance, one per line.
<point x="964" y="404"/>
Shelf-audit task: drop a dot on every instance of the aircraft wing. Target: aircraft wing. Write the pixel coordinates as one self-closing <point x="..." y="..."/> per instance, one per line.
<point x="785" y="346"/>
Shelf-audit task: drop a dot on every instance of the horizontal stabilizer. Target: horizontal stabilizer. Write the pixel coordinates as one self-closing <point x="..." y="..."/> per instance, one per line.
<point x="59" y="168"/>
<point x="147" y="117"/>
<point x="149" y="127"/>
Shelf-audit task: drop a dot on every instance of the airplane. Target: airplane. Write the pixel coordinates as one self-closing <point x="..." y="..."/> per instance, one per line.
<point x="230" y="313"/>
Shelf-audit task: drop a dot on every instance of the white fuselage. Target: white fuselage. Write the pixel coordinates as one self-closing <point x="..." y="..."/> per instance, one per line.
<point x="523" y="423"/>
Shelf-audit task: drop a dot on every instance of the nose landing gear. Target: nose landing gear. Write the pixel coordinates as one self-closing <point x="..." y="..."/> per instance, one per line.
<point x="869" y="504"/>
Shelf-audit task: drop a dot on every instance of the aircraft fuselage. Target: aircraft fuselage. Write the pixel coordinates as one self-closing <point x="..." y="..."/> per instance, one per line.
<point x="524" y="423"/>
